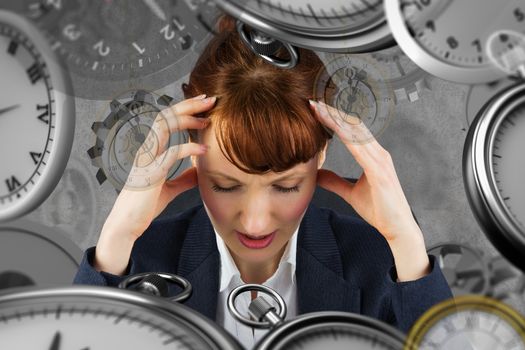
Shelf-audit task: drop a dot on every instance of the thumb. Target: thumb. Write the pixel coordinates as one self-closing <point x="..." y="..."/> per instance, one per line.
<point x="332" y="182"/>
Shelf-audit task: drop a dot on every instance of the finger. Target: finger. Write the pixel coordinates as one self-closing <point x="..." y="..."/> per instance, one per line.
<point x="191" y="106"/>
<point x="174" y="153"/>
<point x="164" y="126"/>
<point x="162" y="129"/>
<point x="334" y="183"/>
<point x="354" y="134"/>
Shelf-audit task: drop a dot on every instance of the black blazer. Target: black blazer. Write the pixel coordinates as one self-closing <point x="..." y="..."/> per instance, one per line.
<point x="343" y="264"/>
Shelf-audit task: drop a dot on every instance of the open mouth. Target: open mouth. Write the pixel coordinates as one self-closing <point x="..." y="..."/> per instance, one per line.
<point x="254" y="242"/>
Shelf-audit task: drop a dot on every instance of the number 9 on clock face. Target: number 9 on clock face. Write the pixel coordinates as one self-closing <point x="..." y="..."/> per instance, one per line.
<point x="37" y="117"/>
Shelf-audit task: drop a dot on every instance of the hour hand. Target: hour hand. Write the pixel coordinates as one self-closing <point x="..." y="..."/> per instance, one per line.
<point x="55" y="344"/>
<point x="7" y="109"/>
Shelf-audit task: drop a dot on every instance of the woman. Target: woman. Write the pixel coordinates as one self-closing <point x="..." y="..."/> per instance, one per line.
<point x="257" y="148"/>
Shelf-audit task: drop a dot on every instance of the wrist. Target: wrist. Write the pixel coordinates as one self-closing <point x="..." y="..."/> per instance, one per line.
<point x="113" y="251"/>
<point x="410" y="256"/>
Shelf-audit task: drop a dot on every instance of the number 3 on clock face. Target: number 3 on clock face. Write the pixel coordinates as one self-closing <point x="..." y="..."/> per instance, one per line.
<point x="37" y="117"/>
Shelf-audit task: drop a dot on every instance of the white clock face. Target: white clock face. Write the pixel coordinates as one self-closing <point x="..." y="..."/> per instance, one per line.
<point x="93" y="318"/>
<point x="32" y="114"/>
<point x="448" y="38"/>
<point x="26" y="115"/>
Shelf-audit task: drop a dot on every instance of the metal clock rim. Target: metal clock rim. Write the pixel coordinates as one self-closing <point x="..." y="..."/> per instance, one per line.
<point x="476" y="179"/>
<point x="378" y="36"/>
<point x="63" y="139"/>
<point x="460" y="303"/>
<point x="288" y="328"/>
<point x="167" y="309"/>
<point x="184" y="295"/>
<point x="427" y="61"/>
<point x="260" y="288"/>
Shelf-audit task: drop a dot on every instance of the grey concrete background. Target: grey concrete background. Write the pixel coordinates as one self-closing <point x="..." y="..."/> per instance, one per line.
<point x="424" y="137"/>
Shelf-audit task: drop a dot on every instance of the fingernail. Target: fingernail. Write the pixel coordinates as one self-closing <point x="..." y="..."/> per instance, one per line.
<point x="205" y="148"/>
<point x="313" y="103"/>
<point x="209" y="100"/>
<point x="200" y="97"/>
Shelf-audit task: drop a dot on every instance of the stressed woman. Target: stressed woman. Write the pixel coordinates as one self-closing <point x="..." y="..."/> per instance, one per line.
<point x="257" y="145"/>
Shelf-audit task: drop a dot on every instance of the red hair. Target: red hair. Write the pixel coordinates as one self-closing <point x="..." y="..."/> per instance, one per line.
<point x="262" y="118"/>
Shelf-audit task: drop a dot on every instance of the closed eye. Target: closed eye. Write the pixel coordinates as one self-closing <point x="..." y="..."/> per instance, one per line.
<point x="277" y="187"/>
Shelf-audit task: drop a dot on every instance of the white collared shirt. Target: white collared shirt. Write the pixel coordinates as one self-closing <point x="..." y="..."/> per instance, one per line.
<point x="283" y="281"/>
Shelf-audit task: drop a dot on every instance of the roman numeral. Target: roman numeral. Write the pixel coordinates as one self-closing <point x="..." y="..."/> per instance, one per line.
<point x="13" y="46"/>
<point x="45" y="115"/>
<point x="34" y="72"/>
<point x="12" y="184"/>
<point x="35" y="156"/>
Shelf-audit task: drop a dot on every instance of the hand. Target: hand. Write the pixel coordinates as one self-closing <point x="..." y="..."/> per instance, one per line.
<point x="55" y="343"/>
<point x="377" y="195"/>
<point x="135" y="208"/>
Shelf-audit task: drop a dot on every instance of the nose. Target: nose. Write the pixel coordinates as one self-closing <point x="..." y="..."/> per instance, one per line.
<point x="256" y="216"/>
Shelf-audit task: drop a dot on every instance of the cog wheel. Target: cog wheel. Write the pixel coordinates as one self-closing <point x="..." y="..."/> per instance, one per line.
<point x="126" y="134"/>
<point x="467" y="271"/>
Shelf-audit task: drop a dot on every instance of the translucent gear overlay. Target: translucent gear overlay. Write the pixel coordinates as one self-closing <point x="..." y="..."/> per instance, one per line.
<point x="126" y="134"/>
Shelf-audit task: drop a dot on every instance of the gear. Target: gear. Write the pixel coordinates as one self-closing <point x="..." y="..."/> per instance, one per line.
<point x="120" y="136"/>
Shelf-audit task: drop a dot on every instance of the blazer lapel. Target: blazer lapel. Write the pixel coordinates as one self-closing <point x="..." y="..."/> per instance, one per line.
<point x="319" y="271"/>
<point x="200" y="264"/>
<point x="320" y="282"/>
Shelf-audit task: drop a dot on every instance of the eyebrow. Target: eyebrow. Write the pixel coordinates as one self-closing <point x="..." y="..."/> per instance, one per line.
<point x="280" y="178"/>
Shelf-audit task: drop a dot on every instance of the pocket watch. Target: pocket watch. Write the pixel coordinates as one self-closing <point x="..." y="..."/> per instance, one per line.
<point x="37" y="117"/>
<point x="334" y="25"/>
<point x="468" y="322"/>
<point x="437" y="36"/>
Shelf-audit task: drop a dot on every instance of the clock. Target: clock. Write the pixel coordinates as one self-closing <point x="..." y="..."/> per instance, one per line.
<point x="333" y="25"/>
<point x="437" y="36"/>
<point x="112" y="46"/>
<point x="37" y="118"/>
<point x="35" y="254"/>
<point x="494" y="169"/>
<point x="94" y="317"/>
<point x="468" y="322"/>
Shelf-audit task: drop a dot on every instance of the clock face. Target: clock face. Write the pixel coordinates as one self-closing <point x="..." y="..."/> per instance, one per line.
<point x="436" y="35"/>
<point x="32" y="119"/>
<point x="111" y="46"/>
<point x="468" y="322"/>
<point x="93" y="318"/>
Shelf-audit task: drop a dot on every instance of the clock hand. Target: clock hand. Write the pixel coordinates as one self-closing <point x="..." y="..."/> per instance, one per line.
<point x="55" y="344"/>
<point x="7" y="109"/>
<point x="155" y="8"/>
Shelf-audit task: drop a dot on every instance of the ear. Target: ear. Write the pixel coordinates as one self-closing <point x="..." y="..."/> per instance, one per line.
<point x="322" y="156"/>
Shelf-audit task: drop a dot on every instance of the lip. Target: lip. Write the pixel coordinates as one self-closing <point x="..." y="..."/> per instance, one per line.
<point x="256" y="244"/>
